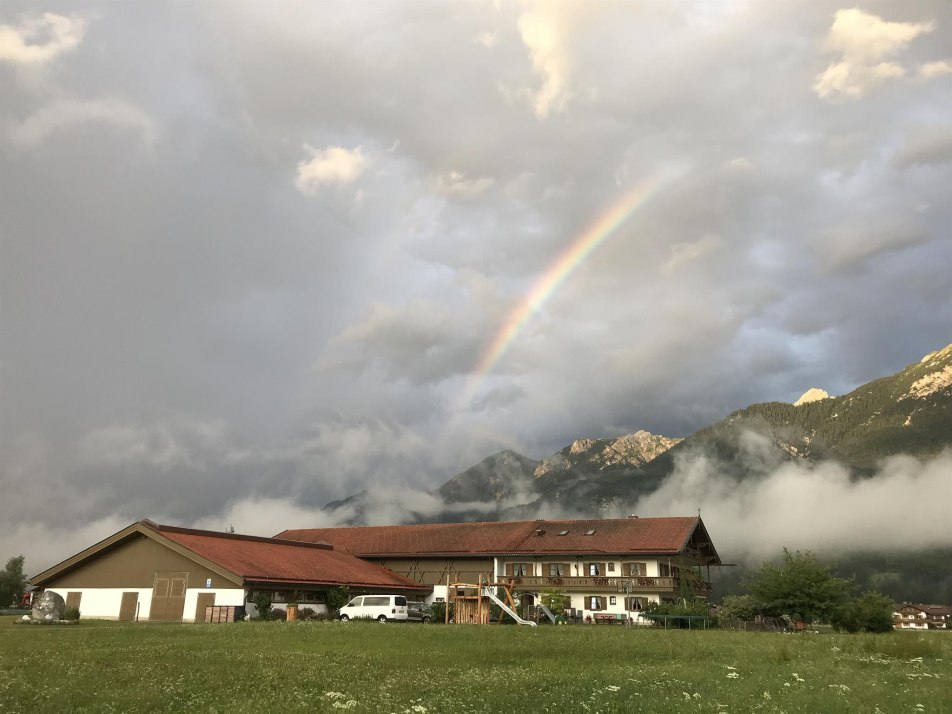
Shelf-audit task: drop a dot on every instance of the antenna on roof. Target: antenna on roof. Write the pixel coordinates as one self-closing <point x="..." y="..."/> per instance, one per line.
<point x="698" y="511"/>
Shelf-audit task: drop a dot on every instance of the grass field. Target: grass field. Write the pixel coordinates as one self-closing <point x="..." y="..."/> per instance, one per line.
<point x="420" y="669"/>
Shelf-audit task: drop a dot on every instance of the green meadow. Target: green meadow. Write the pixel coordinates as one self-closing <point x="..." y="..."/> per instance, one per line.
<point x="420" y="669"/>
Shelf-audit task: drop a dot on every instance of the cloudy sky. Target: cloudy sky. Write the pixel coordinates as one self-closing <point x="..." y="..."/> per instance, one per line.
<point x="261" y="255"/>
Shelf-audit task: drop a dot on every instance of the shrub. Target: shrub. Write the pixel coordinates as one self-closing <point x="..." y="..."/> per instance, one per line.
<point x="336" y="598"/>
<point x="870" y="613"/>
<point x="262" y="603"/>
<point x="307" y="613"/>
<point x="439" y="612"/>
<point x="71" y="613"/>
<point x="738" y="607"/>
<point x="278" y="615"/>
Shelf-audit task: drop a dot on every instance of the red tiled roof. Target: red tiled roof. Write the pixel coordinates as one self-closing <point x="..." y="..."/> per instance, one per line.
<point x="269" y="560"/>
<point x="622" y="535"/>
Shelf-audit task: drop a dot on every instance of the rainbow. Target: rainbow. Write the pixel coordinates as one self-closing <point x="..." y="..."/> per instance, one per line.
<point x="556" y="274"/>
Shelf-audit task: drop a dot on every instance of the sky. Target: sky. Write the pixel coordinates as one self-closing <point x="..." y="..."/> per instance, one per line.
<point x="257" y="256"/>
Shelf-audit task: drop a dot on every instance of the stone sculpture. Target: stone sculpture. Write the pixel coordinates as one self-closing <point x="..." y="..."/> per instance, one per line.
<point x="48" y="606"/>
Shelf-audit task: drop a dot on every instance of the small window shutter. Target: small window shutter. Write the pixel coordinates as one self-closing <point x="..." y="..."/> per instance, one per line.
<point x="508" y="568"/>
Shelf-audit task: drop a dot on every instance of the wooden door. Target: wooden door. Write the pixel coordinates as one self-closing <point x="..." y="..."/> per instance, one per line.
<point x="204" y="600"/>
<point x="168" y="597"/>
<point x="73" y="599"/>
<point x="129" y="606"/>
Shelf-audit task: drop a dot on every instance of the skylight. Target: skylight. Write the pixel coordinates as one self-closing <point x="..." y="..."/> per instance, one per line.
<point x="563" y="532"/>
<point x="591" y="532"/>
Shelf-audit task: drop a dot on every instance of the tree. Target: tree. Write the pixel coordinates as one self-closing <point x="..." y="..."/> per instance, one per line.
<point x="801" y="587"/>
<point x="554" y="600"/>
<point x="12" y="582"/>
<point x="335" y="599"/>
<point x="871" y="613"/>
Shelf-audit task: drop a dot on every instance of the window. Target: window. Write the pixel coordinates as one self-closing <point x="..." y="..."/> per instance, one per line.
<point x="611" y="567"/>
<point x="612" y="600"/>
<point x="595" y="603"/>
<point x="563" y="533"/>
<point x="558" y="570"/>
<point x="519" y="570"/>
<point x="591" y="532"/>
<point x="635" y="604"/>
<point x="634" y="570"/>
<point x="595" y="569"/>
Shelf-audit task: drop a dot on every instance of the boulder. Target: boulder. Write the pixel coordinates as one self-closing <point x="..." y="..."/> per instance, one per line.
<point x="48" y="606"/>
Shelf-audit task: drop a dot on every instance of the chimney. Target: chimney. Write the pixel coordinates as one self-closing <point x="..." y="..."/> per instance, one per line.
<point x="632" y="515"/>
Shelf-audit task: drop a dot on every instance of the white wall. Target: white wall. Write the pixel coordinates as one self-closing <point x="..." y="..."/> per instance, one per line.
<point x="223" y="596"/>
<point x="580" y="602"/>
<point x="104" y="603"/>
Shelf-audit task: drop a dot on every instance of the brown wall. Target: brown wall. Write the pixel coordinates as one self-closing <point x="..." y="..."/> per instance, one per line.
<point x="134" y="564"/>
<point x="434" y="571"/>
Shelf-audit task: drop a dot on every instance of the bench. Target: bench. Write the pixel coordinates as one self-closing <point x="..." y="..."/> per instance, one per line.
<point x="610" y="618"/>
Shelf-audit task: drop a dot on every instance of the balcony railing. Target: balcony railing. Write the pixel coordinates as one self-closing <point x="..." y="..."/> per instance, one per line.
<point x="632" y="584"/>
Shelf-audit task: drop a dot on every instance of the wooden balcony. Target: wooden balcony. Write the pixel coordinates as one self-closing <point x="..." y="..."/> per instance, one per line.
<point x="634" y="584"/>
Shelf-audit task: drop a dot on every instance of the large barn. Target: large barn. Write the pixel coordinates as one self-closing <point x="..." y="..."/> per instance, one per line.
<point x="165" y="573"/>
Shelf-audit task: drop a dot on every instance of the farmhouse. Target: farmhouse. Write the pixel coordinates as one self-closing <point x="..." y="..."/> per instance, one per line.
<point x="910" y="616"/>
<point x="607" y="569"/>
<point x="156" y="572"/>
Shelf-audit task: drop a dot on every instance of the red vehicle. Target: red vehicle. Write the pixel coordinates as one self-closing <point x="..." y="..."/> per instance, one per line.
<point x="26" y="601"/>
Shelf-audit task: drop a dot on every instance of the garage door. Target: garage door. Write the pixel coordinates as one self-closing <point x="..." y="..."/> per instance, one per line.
<point x="168" y="597"/>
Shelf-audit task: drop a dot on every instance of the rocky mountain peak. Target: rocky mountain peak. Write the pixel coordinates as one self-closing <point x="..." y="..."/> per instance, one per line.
<point x="580" y="446"/>
<point x="628" y="450"/>
<point x="813" y="394"/>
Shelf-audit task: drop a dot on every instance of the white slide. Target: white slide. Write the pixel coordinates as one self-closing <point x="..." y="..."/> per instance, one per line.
<point x="548" y="612"/>
<point x="488" y="592"/>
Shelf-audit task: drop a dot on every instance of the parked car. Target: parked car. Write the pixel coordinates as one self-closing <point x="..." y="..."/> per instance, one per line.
<point x="381" y="608"/>
<point x="419" y="612"/>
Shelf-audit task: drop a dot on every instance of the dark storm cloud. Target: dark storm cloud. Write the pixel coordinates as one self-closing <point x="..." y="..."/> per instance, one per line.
<point x="259" y="251"/>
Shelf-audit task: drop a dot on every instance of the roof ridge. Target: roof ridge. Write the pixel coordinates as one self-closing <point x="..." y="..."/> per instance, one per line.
<point x="164" y="528"/>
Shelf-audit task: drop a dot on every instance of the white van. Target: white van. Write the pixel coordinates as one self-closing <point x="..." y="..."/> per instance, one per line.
<point x="378" y="607"/>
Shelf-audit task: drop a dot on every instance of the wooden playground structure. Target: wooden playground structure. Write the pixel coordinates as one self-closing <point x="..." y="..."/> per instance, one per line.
<point x="471" y="603"/>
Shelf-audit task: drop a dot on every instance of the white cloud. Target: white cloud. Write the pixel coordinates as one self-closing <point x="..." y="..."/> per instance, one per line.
<point x="333" y="165"/>
<point x="867" y="46"/>
<point x="41" y="39"/>
<point x="931" y="70"/>
<point x="802" y="506"/>
<point x="544" y="30"/>
<point x="166" y="445"/>
<point x="487" y="40"/>
<point x="683" y="253"/>
<point x="456" y="183"/>
<point x="65" y="113"/>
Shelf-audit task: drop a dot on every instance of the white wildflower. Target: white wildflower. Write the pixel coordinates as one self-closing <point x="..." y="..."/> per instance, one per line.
<point x="733" y="675"/>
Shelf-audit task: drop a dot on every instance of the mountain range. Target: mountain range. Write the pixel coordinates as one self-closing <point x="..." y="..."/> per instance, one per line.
<point x="907" y="413"/>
